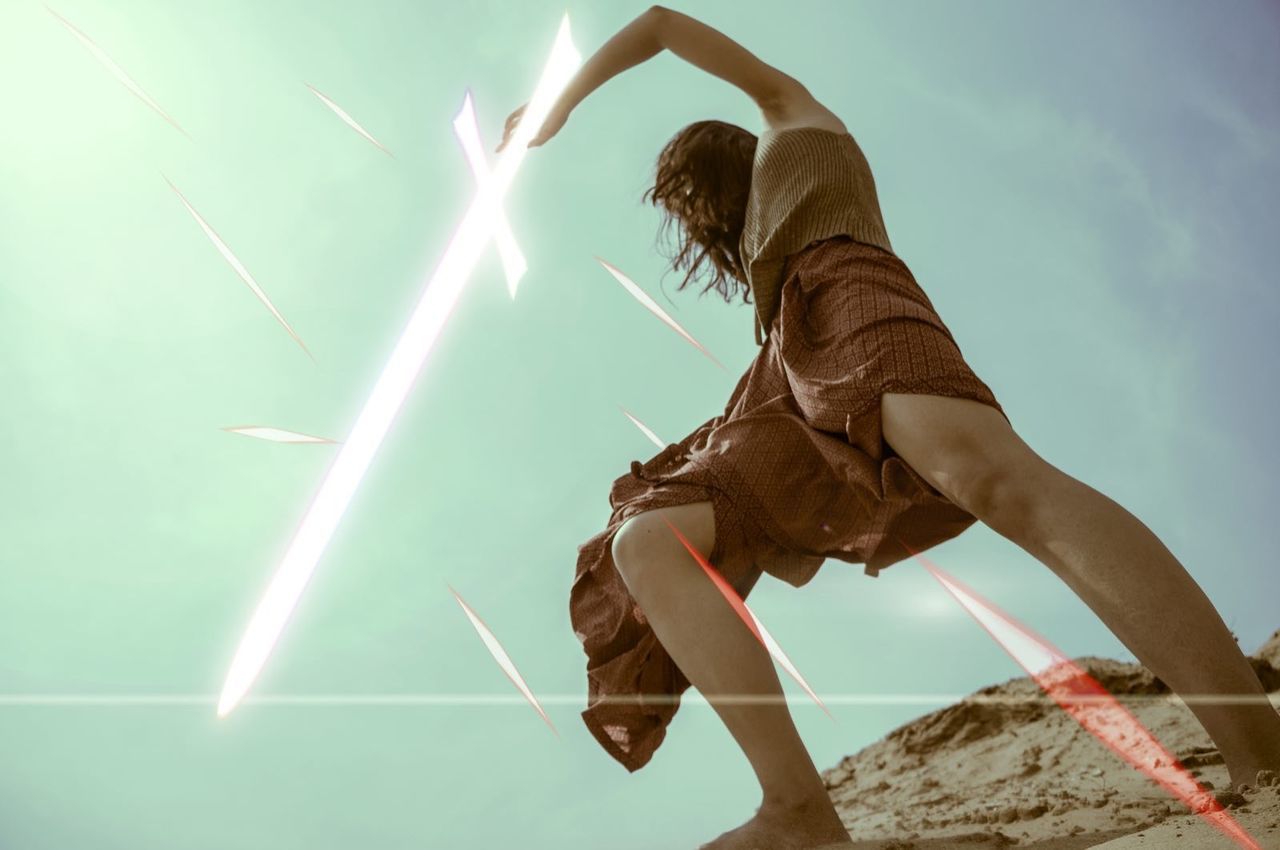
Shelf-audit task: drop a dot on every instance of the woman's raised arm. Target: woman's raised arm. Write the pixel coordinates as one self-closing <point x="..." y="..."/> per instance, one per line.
<point x="718" y="55"/>
<point x="659" y="28"/>
<point x="631" y="45"/>
<point x="654" y="30"/>
<point x="637" y="42"/>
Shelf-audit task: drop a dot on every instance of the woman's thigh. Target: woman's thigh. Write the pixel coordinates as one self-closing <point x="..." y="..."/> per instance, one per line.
<point x="966" y="449"/>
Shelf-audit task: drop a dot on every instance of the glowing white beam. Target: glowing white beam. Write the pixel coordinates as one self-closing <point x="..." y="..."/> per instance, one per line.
<point x="393" y="385"/>
<point x="238" y="266"/>
<point x="116" y="70"/>
<point x="652" y="436"/>
<point x="468" y="133"/>
<point x="278" y="435"/>
<point x="347" y="119"/>
<point x="500" y="655"/>
<point x="643" y="298"/>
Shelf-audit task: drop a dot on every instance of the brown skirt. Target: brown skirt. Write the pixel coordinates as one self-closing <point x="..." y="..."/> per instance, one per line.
<point x="796" y="469"/>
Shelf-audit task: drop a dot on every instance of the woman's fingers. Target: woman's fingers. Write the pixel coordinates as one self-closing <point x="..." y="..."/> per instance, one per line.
<point x="509" y="127"/>
<point x="509" y="124"/>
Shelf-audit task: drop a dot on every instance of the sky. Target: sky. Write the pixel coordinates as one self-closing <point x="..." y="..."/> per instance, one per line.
<point x="1085" y="190"/>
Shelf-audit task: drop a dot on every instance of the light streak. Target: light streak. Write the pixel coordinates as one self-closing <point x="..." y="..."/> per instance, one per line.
<point x="116" y="70"/>
<point x="468" y="133"/>
<point x="747" y="616"/>
<point x="238" y="266"/>
<point x="500" y="655"/>
<point x="278" y="435"/>
<point x="652" y="436"/>
<point x="374" y="700"/>
<point x="653" y="307"/>
<point x="350" y="122"/>
<point x="392" y="386"/>
<point x="1105" y="718"/>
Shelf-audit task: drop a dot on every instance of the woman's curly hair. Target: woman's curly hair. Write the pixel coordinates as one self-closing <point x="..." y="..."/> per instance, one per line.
<point x="701" y="181"/>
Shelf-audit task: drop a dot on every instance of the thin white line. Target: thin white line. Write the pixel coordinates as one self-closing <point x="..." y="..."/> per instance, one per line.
<point x="424" y="699"/>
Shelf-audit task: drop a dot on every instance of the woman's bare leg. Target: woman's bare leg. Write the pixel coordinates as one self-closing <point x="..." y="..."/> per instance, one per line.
<point x="1112" y="561"/>
<point x="1146" y="597"/>
<point x="720" y="655"/>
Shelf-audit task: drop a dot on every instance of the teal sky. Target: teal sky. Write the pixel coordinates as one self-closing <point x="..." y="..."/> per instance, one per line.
<point x="1086" y="192"/>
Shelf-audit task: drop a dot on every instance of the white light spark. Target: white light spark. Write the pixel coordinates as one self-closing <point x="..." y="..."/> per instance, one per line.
<point x="781" y="658"/>
<point x="350" y="122"/>
<point x="652" y="436"/>
<point x="279" y="435"/>
<point x="116" y="70"/>
<point x="500" y="655"/>
<point x="238" y="266"/>
<point x="643" y="298"/>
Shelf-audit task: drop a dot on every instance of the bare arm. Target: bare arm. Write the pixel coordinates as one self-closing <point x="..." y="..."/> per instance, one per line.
<point x="659" y="28"/>
<point x="635" y="43"/>
<point x="714" y="52"/>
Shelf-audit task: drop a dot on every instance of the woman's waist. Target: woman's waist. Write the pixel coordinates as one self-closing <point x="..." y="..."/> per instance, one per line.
<point x="847" y="257"/>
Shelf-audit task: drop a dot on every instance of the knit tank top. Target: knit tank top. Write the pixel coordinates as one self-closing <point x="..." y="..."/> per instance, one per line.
<point x="807" y="184"/>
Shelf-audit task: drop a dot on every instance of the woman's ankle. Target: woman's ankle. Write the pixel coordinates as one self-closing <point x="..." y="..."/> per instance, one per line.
<point x="792" y="803"/>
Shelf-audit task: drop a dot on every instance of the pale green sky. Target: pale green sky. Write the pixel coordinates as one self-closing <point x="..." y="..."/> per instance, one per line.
<point x="1084" y="190"/>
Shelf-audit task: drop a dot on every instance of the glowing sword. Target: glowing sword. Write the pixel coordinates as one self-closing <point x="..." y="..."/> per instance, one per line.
<point x="344" y="474"/>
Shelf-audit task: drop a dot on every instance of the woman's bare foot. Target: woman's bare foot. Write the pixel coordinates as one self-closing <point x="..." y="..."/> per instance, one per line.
<point x="1260" y="778"/>
<point x="1246" y="772"/>
<point x="799" y="827"/>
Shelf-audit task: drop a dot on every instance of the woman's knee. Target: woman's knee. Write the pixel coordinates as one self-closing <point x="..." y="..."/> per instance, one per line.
<point x="647" y="542"/>
<point x="1003" y="495"/>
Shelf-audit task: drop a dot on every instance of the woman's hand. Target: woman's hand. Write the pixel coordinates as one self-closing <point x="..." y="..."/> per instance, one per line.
<point x="554" y="121"/>
<point x="636" y="42"/>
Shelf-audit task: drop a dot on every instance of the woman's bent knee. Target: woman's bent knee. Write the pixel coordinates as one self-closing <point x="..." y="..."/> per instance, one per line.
<point x="1011" y="499"/>
<point x="646" y="541"/>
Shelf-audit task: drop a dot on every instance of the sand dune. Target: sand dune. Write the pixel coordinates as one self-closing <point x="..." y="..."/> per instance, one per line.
<point x="996" y="771"/>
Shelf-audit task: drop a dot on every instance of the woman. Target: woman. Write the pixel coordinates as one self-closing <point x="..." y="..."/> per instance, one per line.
<point x="858" y="433"/>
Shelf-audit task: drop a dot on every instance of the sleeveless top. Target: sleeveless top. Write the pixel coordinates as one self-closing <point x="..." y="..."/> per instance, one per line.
<point x="807" y="184"/>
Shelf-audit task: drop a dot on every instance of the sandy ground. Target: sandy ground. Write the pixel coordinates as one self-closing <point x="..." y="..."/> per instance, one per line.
<point x="1007" y="767"/>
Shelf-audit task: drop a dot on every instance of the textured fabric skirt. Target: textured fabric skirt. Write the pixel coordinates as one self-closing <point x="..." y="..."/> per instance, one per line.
<point x="796" y="469"/>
